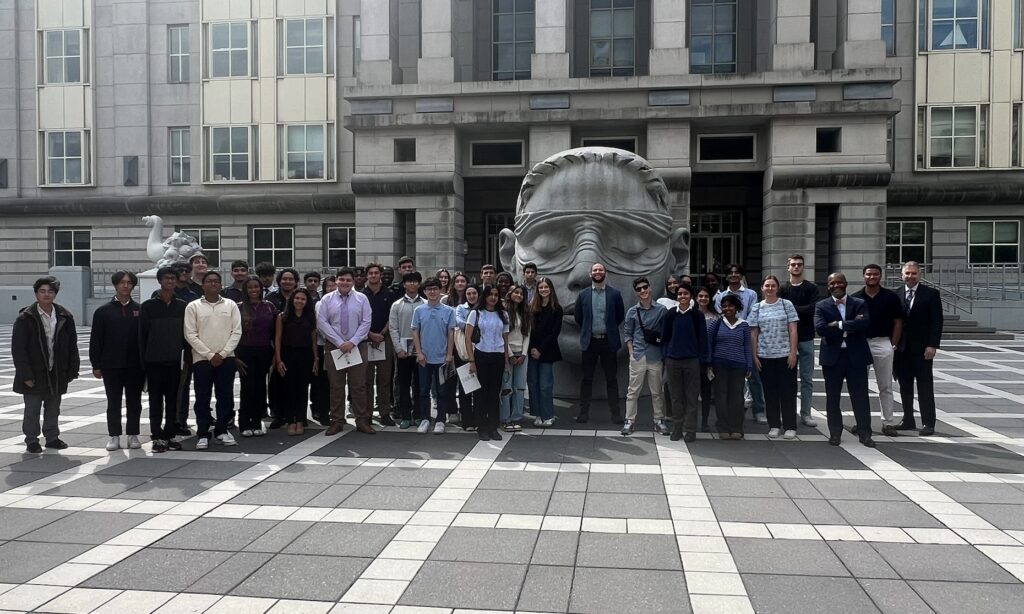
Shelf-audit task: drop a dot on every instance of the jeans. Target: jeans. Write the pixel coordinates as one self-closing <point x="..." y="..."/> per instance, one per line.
<point x="805" y="363"/>
<point x="129" y="383"/>
<point x="779" y="393"/>
<point x="163" y="381"/>
<point x="49" y="405"/>
<point x="407" y="376"/>
<point x="253" y="386"/>
<point x="218" y="381"/>
<point x="513" y="391"/>
<point x="540" y="377"/>
<point x="756" y="390"/>
<point x="599" y="352"/>
<point x="430" y="381"/>
<point x="641" y="370"/>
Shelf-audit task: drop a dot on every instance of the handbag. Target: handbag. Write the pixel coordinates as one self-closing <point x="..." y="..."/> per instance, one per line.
<point x="650" y="336"/>
<point x="476" y="328"/>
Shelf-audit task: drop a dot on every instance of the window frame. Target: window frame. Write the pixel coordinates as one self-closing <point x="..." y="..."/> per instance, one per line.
<point x="611" y="39"/>
<point x="636" y="141"/>
<point x="980" y="136"/>
<point x="183" y="154"/>
<point x="522" y="153"/>
<point x="357" y="44"/>
<point x="63" y="56"/>
<point x="273" y="249"/>
<point x="515" y="43"/>
<point x="713" y="135"/>
<point x="713" y="35"/>
<point x="327" y="151"/>
<point x="197" y="233"/>
<point x="325" y="46"/>
<point x="889" y="24"/>
<point x="994" y="244"/>
<point x="182" y="33"/>
<point x="901" y="245"/>
<point x="719" y="218"/>
<point x="926" y="25"/>
<point x="211" y="155"/>
<point x="350" y="251"/>
<point x="250" y="49"/>
<point x="73" y="230"/>
<point x="84" y="158"/>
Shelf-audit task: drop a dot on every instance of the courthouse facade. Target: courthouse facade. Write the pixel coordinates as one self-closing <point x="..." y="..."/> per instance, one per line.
<point x="320" y="133"/>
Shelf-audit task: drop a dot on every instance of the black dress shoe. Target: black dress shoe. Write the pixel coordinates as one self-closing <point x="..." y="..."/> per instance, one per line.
<point x="34" y="448"/>
<point x="690" y="437"/>
<point x="495" y="435"/>
<point x="868" y="442"/>
<point x="276" y="423"/>
<point x="386" y="420"/>
<point x="677" y="434"/>
<point x="582" y="418"/>
<point x="833" y="441"/>
<point x="173" y="445"/>
<point x="183" y="431"/>
<point x="906" y="426"/>
<point x="483" y="435"/>
<point x="927" y="431"/>
<point x="56" y="444"/>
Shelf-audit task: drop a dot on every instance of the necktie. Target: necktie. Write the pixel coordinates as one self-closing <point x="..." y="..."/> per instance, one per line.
<point x="910" y="297"/>
<point x="841" y="301"/>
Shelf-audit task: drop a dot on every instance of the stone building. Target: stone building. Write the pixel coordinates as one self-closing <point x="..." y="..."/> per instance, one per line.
<point x="318" y="133"/>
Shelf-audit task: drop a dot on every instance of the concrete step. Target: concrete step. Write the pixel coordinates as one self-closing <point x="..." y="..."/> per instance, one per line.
<point x="976" y="336"/>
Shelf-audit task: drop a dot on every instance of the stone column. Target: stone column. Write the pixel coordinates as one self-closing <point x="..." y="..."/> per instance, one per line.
<point x="673" y="163"/>
<point x="440" y="233"/>
<point x="550" y="58"/>
<point x="859" y="34"/>
<point x="547" y="140"/>
<point x="790" y="32"/>
<point x="380" y="42"/>
<point x="669" y="54"/>
<point x="787" y="228"/>
<point x="436" y="63"/>
<point x="378" y="230"/>
<point x="860" y="231"/>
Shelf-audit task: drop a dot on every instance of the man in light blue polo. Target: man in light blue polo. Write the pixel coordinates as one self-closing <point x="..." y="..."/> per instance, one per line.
<point x="433" y="337"/>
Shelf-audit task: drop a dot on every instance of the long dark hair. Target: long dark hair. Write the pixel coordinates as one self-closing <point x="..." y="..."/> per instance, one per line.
<point x="454" y="298"/>
<point x="537" y="304"/>
<point x="245" y="307"/>
<point x="518" y="315"/>
<point x="289" y="307"/>
<point x="499" y="307"/>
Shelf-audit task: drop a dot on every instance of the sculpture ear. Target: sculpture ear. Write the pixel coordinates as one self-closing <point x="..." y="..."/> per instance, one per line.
<point x="507" y="249"/>
<point x="680" y="244"/>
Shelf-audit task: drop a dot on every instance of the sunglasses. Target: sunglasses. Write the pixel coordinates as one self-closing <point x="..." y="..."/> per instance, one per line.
<point x="642" y="288"/>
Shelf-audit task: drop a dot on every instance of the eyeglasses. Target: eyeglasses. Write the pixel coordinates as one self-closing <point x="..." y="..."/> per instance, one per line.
<point x="642" y="288"/>
<point x="792" y="264"/>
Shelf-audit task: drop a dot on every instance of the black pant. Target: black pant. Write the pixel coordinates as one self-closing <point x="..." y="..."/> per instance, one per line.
<point x="729" y="409"/>
<point x="856" y="377"/>
<point x="163" y="383"/>
<point x="705" y="398"/>
<point x="295" y="385"/>
<point x="910" y="365"/>
<point x="683" y="377"/>
<point x="127" y="382"/>
<point x="320" y="390"/>
<point x="779" y="384"/>
<point x="184" y="385"/>
<point x="489" y="368"/>
<point x="212" y="380"/>
<point x="465" y="401"/>
<point x="599" y="351"/>
<point x="408" y="381"/>
<point x="252" y="396"/>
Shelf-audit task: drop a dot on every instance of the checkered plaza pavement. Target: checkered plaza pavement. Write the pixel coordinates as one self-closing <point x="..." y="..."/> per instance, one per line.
<point x="562" y="520"/>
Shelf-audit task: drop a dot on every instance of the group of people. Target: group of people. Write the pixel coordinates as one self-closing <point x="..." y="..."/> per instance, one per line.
<point x="354" y="344"/>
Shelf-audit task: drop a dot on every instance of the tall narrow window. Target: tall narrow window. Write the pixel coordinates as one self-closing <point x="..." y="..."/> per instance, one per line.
<point x="180" y="143"/>
<point x="1015" y="136"/>
<point x="178" y="54"/>
<point x="72" y="247"/>
<point x="357" y="45"/>
<point x="304" y="152"/>
<point x="612" y="38"/>
<point x="954" y="138"/>
<point x="304" y="46"/>
<point x="274" y="245"/>
<point x="713" y="36"/>
<point x="889" y="26"/>
<point x="63" y="52"/>
<point x="229" y="157"/>
<point x="341" y="246"/>
<point x="513" y="39"/>
<point x="64" y="158"/>
<point x="229" y="49"/>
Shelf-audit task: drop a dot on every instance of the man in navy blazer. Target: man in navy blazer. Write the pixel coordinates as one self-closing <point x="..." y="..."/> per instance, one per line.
<point x="841" y="321"/>
<point x="599" y="311"/>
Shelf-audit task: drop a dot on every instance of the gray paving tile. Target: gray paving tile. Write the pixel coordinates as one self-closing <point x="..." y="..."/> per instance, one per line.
<point x="85" y="528"/>
<point x="817" y="511"/>
<point x="98" y="486"/>
<point x="22" y="561"/>
<point x="479" y="545"/>
<point x="572" y="482"/>
<point x="894" y="597"/>
<point x="508" y="501"/>
<point x="159" y="569"/>
<point x="807" y="595"/>
<point x="957" y="598"/>
<point x="781" y="455"/>
<point x="967" y="492"/>
<point x="885" y="514"/>
<point x="799" y="488"/>
<point x="148" y="467"/>
<point x="333" y="495"/>
<point x="318" y="474"/>
<point x="225" y="534"/>
<point x="722" y="486"/>
<point x="49" y="463"/>
<point x="387" y="498"/>
<point x="762" y="509"/>
<point x="609" y="505"/>
<point x="862" y="560"/>
<point x="626" y="483"/>
<point x="293" y="576"/>
<point x="600" y="591"/>
<point x="631" y="551"/>
<point x="546" y="589"/>
<point x="401" y="445"/>
<point x="15" y="522"/>
<point x="230" y="573"/>
<point x="443" y="583"/>
<point x="941" y="562"/>
<point x="279" y="537"/>
<point x="555" y="548"/>
<point x="279" y="493"/>
<point x="396" y="476"/>
<point x="1002" y="516"/>
<point x="566" y="504"/>
<point x="582" y="449"/>
<point x="800" y="557"/>
<point x="342" y="539"/>
<point x="359" y="475"/>
<point x="971" y="457"/>
<point x="519" y="480"/>
<point x="168" y="489"/>
<point x="209" y="470"/>
<point x="859" y="490"/>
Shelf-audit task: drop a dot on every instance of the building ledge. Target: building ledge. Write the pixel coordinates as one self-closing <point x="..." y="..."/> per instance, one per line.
<point x="178" y="205"/>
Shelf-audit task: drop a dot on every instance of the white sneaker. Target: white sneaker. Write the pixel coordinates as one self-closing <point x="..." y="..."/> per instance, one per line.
<point x="538" y="422"/>
<point x="423" y="427"/>
<point x="114" y="444"/>
<point x="226" y="440"/>
<point x="203" y="443"/>
<point x="258" y="432"/>
<point x="773" y="433"/>
<point x="809" y="421"/>
<point x="549" y="422"/>
<point x="439" y="428"/>
<point x="627" y="428"/>
<point x="133" y="442"/>
<point x="247" y="433"/>
<point x="789" y="434"/>
<point x="761" y="419"/>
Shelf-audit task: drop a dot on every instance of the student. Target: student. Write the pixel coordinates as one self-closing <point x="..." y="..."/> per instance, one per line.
<point x="457" y="291"/>
<point x="462" y="356"/>
<point x="732" y="361"/>
<point x="254" y="357"/>
<point x="239" y="274"/>
<point x="488" y="275"/>
<point x="265" y="272"/>
<point x="44" y="345"/>
<point x="114" y="354"/>
<point x="711" y="318"/>
<point x="530" y="281"/>
<point x="343" y="317"/>
<point x="735" y="276"/>
<point x="200" y="265"/>
<point x="504" y="283"/>
<point x="311" y="281"/>
<point x="433" y="337"/>
<point x="803" y="293"/>
<point x="445" y="278"/>
<point x="161" y="346"/>
<point x="669" y="301"/>
<point x="295" y="357"/>
<point x="379" y="373"/>
<point x="400" y="329"/>
<point x="513" y="382"/>
<point x="358" y="278"/>
<point x="490" y="358"/>
<point x="642" y="331"/>
<point x="287" y="282"/>
<point x="773" y="324"/>
<point x="685" y="346"/>
<point x="545" y="327"/>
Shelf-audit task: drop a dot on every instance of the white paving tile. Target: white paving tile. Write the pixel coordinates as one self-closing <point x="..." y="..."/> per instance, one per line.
<point x="706" y="561"/>
<point x="241" y="605"/>
<point x="720" y="604"/>
<point x="366" y="590"/>
<point x="68" y="574"/>
<point x="604" y="525"/>
<point x="135" y="602"/>
<point x="745" y="529"/>
<point x="709" y="583"/>
<point x="79" y="601"/>
<point x="27" y="597"/>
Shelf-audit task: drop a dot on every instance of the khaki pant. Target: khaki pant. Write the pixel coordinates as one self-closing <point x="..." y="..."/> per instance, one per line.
<point x="641" y="370"/>
<point x="882" y="356"/>
<point x="379" y="377"/>
<point x="355" y="379"/>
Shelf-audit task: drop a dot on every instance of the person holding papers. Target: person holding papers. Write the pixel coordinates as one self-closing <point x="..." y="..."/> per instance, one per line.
<point x="433" y="337"/>
<point x="343" y="318"/>
<point x="489" y="359"/>
<point x="400" y="329"/>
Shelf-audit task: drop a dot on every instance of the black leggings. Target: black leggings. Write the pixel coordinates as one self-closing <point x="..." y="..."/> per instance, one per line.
<point x="489" y="368"/>
<point x="294" y="388"/>
<point x="252" y="403"/>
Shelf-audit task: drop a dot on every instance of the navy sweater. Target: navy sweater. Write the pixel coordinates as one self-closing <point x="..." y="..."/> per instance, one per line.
<point x="685" y="336"/>
<point x="114" y="339"/>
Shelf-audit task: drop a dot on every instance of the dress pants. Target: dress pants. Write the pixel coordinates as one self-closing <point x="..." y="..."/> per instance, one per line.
<point x="407" y="376"/>
<point x="355" y="379"/>
<point x="214" y="381"/>
<point x="856" y="377"/>
<point x="779" y="384"/>
<point x="705" y="398"/>
<point x="910" y="366"/>
<point x="684" y="386"/>
<point x="294" y="398"/>
<point x="320" y="390"/>
<point x="127" y="383"/>
<point x="163" y="382"/>
<point x="489" y="367"/>
<point x="882" y="355"/>
<point x="729" y="411"/>
<point x="378" y="379"/>
<point x="49" y="406"/>
<point x="253" y="386"/>
<point x="599" y="352"/>
<point x="642" y="370"/>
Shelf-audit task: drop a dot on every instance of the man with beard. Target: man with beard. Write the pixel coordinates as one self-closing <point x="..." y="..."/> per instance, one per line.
<point x="599" y="311"/>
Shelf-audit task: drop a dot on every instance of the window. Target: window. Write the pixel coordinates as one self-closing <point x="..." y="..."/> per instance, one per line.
<point x="713" y="36"/>
<point x="496" y="153"/>
<point x="829" y="140"/>
<point x="72" y="248"/>
<point x="714" y="239"/>
<point x="180" y="143"/>
<point x="956" y="137"/>
<point x="1015" y="136"/>
<point x="494" y="223"/>
<point x="726" y="148"/>
<point x="627" y="143"/>
<point x="341" y="246"/>
<point x="611" y="38"/>
<point x="64" y="54"/>
<point x="357" y="45"/>
<point x="405" y="150"/>
<point x="1018" y="5"/>
<point x="906" y="241"/>
<point x="304" y="46"/>
<point x="229" y="153"/>
<point x="304" y="152"/>
<point x="889" y="26"/>
<point x="513" y="39"/>
<point x="177" y="53"/>
<point x="65" y="158"/>
<point x="952" y="24"/>
<point x="993" y="242"/>
<point x="274" y="245"/>
<point x="229" y="49"/>
<point x="890" y="142"/>
<point x="209" y="242"/>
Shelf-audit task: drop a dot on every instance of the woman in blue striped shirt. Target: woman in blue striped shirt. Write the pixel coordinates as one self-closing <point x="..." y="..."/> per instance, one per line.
<point x="732" y="363"/>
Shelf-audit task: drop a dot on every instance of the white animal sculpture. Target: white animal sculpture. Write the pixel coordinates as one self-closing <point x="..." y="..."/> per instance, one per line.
<point x="178" y="247"/>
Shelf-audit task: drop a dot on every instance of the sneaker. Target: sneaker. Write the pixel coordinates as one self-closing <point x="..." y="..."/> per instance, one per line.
<point x="538" y="422"/>
<point x="404" y="424"/>
<point x="455" y="419"/>
<point x="386" y="420"/>
<point x="203" y="443"/>
<point x="773" y="433"/>
<point x="258" y="432"/>
<point x="789" y="434"/>
<point x="549" y="422"/>
<point x="226" y="440"/>
<point x="439" y="428"/>
<point x="133" y="442"/>
<point x="114" y="444"/>
<point x="247" y="433"/>
<point x="515" y="427"/>
<point x="661" y="427"/>
<point x="761" y="419"/>
<point x="159" y="446"/>
<point x="173" y="445"/>
<point x="627" y="428"/>
<point x="423" y="427"/>
<point x="57" y="444"/>
<point x="184" y="431"/>
<point x="809" y="421"/>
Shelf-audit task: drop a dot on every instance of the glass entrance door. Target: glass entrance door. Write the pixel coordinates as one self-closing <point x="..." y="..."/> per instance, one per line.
<point x="714" y="240"/>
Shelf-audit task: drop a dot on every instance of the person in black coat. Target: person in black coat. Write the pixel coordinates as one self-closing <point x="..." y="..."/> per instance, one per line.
<point x="114" y="354"/>
<point x="922" y="334"/>
<point x="544" y="352"/>
<point x="44" y="345"/>
<point x="161" y="345"/>
<point x="599" y="340"/>
<point x="842" y="321"/>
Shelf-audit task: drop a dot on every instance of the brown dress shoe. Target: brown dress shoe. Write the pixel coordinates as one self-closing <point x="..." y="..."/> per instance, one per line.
<point x="365" y="427"/>
<point x="300" y="428"/>
<point x="335" y="428"/>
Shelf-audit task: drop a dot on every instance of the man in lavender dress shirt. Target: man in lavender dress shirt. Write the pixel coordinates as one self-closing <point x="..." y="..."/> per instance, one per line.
<point x="343" y="318"/>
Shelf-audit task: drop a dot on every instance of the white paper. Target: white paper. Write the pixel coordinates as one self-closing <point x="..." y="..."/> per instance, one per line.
<point x="469" y="381"/>
<point x="375" y="354"/>
<point x="344" y="360"/>
<point x="407" y="344"/>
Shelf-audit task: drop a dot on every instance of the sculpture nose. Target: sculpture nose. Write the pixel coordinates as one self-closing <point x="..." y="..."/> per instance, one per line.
<point x="579" y="278"/>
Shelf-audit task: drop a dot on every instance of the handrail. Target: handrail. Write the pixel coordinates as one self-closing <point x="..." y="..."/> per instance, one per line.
<point x="964" y="284"/>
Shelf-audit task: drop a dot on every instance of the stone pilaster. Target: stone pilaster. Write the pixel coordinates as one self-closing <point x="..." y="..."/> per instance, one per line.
<point x="860" y="232"/>
<point x="790" y="31"/>
<point x="859" y="34"/>
<point x="788" y="228"/>
<point x="380" y="42"/>
<point x="547" y="140"/>
<point x="436" y="63"/>
<point x="669" y="54"/>
<point x="551" y="57"/>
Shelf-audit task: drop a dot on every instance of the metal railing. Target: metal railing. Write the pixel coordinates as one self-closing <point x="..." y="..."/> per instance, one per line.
<point x="961" y="284"/>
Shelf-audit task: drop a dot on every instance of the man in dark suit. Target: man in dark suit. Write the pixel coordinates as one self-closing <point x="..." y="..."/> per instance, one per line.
<point x="599" y="311"/>
<point x="922" y="333"/>
<point x="841" y="322"/>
